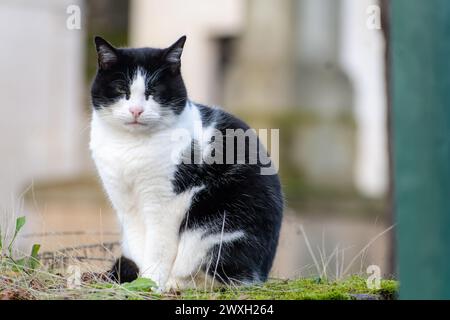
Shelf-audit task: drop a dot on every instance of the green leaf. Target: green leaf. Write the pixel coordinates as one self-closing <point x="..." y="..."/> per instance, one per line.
<point x="20" y="222"/>
<point x="140" y="284"/>
<point x="1" y="243"/>
<point x="20" y="262"/>
<point x="35" y="250"/>
<point x="103" y="285"/>
<point x="18" y="265"/>
<point x="33" y="261"/>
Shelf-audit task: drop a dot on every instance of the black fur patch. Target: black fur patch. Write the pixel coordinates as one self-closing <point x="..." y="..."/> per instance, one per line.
<point x="123" y="270"/>
<point x="249" y="202"/>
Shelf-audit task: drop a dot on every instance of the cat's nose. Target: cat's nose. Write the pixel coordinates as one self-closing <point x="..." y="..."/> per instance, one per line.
<point x="136" y="111"/>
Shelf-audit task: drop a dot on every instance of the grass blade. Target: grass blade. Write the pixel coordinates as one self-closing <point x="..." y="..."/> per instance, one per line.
<point x="20" y="222"/>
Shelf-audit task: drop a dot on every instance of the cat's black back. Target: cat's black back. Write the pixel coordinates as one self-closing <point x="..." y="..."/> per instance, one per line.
<point x="236" y="197"/>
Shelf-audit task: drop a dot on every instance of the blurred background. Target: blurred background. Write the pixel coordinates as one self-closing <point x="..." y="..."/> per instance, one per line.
<point x="315" y="69"/>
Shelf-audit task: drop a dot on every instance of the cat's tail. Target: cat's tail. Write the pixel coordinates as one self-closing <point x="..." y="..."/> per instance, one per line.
<point x="123" y="270"/>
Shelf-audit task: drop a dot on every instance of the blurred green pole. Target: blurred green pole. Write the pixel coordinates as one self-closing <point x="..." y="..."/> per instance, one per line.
<point x="420" y="42"/>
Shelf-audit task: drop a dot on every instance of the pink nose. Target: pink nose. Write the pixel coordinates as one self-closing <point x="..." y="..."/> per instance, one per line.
<point x="136" y="111"/>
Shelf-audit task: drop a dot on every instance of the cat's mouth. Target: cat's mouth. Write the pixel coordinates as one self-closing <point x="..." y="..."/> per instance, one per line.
<point x="135" y="123"/>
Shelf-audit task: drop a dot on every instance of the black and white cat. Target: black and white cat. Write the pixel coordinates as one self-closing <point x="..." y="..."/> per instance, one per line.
<point x="183" y="222"/>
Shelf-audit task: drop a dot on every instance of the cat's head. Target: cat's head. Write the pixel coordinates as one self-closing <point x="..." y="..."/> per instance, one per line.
<point x="138" y="90"/>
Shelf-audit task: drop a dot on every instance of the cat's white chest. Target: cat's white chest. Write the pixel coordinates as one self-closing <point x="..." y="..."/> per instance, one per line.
<point x="136" y="171"/>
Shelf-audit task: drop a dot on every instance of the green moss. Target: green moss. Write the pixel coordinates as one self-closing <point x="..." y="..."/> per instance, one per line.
<point x="42" y="285"/>
<point x="37" y="282"/>
<point x="300" y="289"/>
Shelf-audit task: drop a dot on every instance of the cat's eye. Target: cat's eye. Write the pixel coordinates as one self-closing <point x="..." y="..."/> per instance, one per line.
<point x="152" y="90"/>
<point x="158" y="87"/>
<point x="148" y="92"/>
<point x="123" y="91"/>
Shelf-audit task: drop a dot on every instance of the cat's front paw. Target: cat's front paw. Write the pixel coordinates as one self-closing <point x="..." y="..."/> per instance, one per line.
<point x="172" y="285"/>
<point x="168" y="287"/>
<point x="159" y="290"/>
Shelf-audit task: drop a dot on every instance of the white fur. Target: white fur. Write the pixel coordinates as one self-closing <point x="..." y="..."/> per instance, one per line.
<point x="135" y="166"/>
<point x="154" y="117"/>
<point x="193" y="253"/>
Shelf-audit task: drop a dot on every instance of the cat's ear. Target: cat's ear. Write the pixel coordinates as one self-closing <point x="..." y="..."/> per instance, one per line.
<point x="173" y="53"/>
<point x="107" y="54"/>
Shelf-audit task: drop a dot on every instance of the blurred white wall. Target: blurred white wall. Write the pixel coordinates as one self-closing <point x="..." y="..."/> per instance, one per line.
<point x="155" y="23"/>
<point x="362" y="57"/>
<point x="41" y="82"/>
